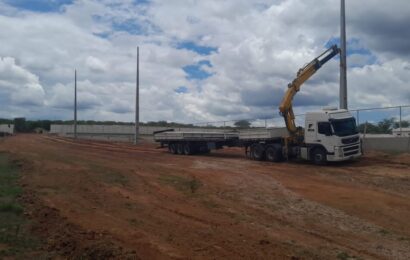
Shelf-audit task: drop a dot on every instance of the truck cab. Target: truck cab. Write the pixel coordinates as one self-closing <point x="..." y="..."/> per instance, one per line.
<point x="331" y="135"/>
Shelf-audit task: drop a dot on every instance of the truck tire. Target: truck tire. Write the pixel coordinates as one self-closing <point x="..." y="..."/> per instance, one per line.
<point x="172" y="148"/>
<point x="319" y="156"/>
<point x="274" y="153"/>
<point x="180" y="148"/>
<point x="188" y="149"/>
<point x="258" y="152"/>
<point x="203" y="149"/>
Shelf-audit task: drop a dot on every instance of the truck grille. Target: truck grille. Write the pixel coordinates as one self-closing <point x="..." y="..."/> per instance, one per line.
<point x="350" y="140"/>
<point x="351" y="150"/>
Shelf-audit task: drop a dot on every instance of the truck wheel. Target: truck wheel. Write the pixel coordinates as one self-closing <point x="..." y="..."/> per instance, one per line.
<point x="319" y="156"/>
<point x="180" y="148"/>
<point x="172" y="148"/>
<point x="188" y="149"/>
<point x="274" y="154"/>
<point x="203" y="149"/>
<point x="258" y="152"/>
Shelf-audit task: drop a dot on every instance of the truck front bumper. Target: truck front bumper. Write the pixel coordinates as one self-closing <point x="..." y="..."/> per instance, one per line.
<point x="345" y="153"/>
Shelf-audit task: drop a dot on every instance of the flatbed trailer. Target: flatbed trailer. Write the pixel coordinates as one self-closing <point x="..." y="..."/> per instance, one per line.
<point x="269" y="144"/>
<point x="188" y="143"/>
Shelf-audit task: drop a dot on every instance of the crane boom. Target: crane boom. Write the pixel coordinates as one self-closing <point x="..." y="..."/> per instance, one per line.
<point x="285" y="108"/>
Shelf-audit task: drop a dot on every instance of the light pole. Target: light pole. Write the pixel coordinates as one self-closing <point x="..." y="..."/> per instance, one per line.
<point x="343" y="64"/>
<point x="75" y="104"/>
<point x="137" y="97"/>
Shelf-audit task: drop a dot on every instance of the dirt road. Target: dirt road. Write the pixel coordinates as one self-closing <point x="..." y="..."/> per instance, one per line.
<point x="117" y="200"/>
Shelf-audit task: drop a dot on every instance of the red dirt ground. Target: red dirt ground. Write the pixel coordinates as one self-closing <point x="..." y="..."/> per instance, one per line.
<point x="103" y="200"/>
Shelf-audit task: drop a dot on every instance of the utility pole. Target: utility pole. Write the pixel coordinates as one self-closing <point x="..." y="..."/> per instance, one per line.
<point x="343" y="64"/>
<point x="137" y="98"/>
<point x="75" y="104"/>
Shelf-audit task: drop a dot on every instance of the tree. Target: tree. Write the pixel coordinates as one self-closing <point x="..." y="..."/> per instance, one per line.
<point x="386" y="125"/>
<point x="20" y="124"/>
<point x="383" y="127"/>
<point x="370" y="128"/>
<point x="243" y="124"/>
<point x="404" y="123"/>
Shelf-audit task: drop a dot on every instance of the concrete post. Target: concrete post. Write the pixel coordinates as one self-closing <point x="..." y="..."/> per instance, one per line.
<point x="75" y="104"/>
<point x="343" y="63"/>
<point x="400" y="120"/>
<point x="137" y="98"/>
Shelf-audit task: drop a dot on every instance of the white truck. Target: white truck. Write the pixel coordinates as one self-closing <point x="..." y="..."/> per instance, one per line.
<point x="328" y="135"/>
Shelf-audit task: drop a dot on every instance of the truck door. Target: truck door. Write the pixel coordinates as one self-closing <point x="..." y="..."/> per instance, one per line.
<point x="324" y="130"/>
<point x="310" y="132"/>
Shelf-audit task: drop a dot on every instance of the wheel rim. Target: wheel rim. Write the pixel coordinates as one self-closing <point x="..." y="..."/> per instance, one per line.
<point x="269" y="155"/>
<point x="318" y="157"/>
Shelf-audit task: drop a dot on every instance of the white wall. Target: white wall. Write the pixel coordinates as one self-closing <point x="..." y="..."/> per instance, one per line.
<point x="6" y="128"/>
<point x="403" y="132"/>
<point x="386" y="143"/>
<point x="120" y="129"/>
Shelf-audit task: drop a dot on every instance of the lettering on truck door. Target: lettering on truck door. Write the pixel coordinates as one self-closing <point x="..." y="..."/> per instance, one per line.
<point x="310" y="132"/>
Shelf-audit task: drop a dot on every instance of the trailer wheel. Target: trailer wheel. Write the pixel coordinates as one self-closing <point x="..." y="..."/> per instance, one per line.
<point x="274" y="153"/>
<point x="319" y="156"/>
<point x="258" y="152"/>
<point x="172" y="148"/>
<point x="180" y="148"/>
<point x="188" y="149"/>
<point x="203" y="149"/>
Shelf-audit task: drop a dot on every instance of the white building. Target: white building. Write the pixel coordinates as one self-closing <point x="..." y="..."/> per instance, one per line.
<point x="403" y="132"/>
<point x="7" y="129"/>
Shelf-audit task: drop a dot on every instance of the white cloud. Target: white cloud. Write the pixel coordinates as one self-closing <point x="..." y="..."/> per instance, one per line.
<point x="95" y="64"/>
<point x="21" y="85"/>
<point x="260" y="46"/>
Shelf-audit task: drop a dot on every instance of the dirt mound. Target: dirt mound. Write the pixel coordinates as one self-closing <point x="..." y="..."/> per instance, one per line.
<point x="63" y="238"/>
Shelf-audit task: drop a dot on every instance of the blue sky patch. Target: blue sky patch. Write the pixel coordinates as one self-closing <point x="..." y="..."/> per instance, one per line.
<point x="39" y="6"/>
<point x="129" y="26"/>
<point x="138" y="2"/>
<point x="195" y="71"/>
<point x="202" y="50"/>
<point x="181" y="89"/>
<point x="354" y="47"/>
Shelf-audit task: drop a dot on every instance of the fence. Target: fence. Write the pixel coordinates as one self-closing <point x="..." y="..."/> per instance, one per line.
<point x="383" y="118"/>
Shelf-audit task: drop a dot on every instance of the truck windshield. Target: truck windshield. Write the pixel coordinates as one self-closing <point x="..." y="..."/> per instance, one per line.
<point x="344" y="127"/>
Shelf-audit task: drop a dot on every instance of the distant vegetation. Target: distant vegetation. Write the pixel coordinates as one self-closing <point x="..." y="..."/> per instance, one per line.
<point x="383" y="127"/>
<point x="26" y="126"/>
<point x="22" y="125"/>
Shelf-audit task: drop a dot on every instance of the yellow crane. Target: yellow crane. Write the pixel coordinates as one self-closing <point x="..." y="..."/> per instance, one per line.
<point x="303" y="74"/>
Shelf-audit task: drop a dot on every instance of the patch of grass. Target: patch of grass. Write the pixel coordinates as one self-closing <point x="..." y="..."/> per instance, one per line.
<point x="183" y="184"/>
<point x="346" y="256"/>
<point x="11" y="207"/>
<point x="383" y="232"/>
<point x="109" y="176"/>
<point x="404" y="239"/>
<point x="135" y="222"/>
<point x="210" y="204"/>
<point x="16" y="241"/>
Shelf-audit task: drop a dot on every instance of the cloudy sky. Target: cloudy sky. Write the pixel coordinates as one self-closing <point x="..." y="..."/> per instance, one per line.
<point x="200" y="60"/>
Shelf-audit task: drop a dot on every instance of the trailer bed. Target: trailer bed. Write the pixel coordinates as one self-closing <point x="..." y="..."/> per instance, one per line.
<point x="263" y="133"/>
<point x="194" y="136"/>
